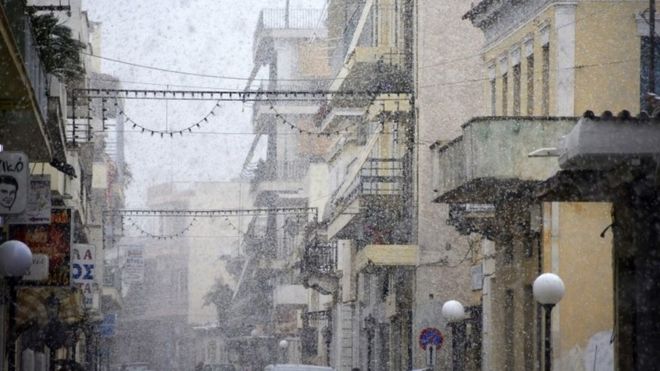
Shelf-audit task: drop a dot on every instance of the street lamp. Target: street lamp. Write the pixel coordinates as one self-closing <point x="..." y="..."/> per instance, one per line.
<point x="548" y="290"/>
<point x="15" y="260"/>
<point x="283" y="345"/>
<point x="454" y="312"/>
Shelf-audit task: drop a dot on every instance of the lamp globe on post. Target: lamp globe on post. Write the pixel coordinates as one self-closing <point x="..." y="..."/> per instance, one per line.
<point x="548" y="291"/>
<point x="454" y="312"/>
<point x="15" y="261"/>
<point x="283" y="345"/>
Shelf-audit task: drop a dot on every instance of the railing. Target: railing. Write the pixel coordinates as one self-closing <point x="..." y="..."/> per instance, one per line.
<point x="378" y="176"/>
<point x="291" y="19"/>
<point x="21" y="28"/>
<point x="344" y="41"/>
<point x="320" y="257"/>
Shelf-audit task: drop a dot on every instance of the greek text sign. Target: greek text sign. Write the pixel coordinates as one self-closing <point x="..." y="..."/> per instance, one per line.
<point x="13" y="182"/>
<point x="83" y="271"/>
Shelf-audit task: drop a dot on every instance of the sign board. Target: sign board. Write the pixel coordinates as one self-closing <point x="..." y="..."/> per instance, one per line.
<point x="431" y="337"/>
<point x="14" y="172"/>
<point x="83" y="271"/>
<point x="477" y="273"/>
<point x="134" y="267"/>
<point x="39" y="268"/>
<point x="37" y="209"/>
<point x="108" y="325"/>
<point x="52" y="239"/>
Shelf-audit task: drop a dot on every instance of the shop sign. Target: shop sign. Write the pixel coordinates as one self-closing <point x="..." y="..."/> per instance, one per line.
<point x="39" y="268"/>
<point x="83" y="271"/>
<point x="14" y="172"/>
<point x="53" y="240"/>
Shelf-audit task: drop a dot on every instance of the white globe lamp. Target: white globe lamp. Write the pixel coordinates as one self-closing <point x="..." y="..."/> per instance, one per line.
<point x="15" y="258"/>
<point x="453" y="311"/>
<point x="548" y="289"/>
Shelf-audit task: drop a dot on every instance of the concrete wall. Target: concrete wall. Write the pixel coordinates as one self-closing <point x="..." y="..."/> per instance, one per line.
<point x="447" y="60"/>
<point x="573" y="249"/>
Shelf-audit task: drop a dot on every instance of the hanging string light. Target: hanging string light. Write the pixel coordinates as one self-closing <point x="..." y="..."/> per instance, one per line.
<point x="171" y="133"/>
<point x="318" y="134"/>
<point x="161" y="236"/>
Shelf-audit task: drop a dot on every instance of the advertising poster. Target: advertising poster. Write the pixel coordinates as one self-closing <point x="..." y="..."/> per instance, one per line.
<point x="134" y="267"/>
<point x="37" y="210"/>
<point x="52" y="239"/>
<point x="13" y="182"/>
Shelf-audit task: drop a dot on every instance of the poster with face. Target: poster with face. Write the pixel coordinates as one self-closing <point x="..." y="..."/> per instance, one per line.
<point x="13" y="182"/>
<point x="52" y="239"/>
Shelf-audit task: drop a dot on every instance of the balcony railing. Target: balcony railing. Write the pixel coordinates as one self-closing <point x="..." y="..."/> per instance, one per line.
<point x="291" y="19"/>
<point x="320" y="257"/>
<point x="378" y="177"/>
<point x="21" y="28"/>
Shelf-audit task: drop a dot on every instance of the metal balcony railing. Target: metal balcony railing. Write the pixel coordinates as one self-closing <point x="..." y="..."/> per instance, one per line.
<point x="21" y="28"/>
<point x="377" y="177"/>
<point x="291" y="19"/>
<point x="320" y="257"/>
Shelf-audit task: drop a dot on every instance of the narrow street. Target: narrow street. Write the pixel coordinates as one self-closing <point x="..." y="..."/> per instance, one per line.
<point x="329" y="185"/>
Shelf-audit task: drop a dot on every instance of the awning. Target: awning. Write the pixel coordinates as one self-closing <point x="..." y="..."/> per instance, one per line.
<point x="33" y="303"/>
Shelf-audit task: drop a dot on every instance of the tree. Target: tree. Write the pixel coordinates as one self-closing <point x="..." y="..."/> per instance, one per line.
<point x="220" y="295"/>
<point x="58" y="50"/>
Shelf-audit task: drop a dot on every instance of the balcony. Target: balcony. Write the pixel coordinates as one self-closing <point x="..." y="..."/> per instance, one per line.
<point x="490" y="163"/>
<point x="390" y="255"/>
<point x="24" y="86"/>
<point x="366" y="57"/>
<point x="319" y="266"/>
<point x="278" y="182"/>
<point x="290" y="295"/>
<point x="372" y="201"/>
<point x="284" y="24"/>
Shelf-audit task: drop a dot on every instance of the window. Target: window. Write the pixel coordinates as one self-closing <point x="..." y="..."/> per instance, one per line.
<point x="375" y="23"/>
<point x="644" y="69"/>
<point x="545" y="97"/>
<point x="505" y="93"/>
<point x="516" y="90"/>
<point x="509" y="329"/>
<point x="530" y="85"/>
<point x="493" y="97"/>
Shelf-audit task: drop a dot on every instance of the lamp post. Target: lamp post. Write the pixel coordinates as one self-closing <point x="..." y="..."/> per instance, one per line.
<point x="454" y="313"/>
<point x="15" y="260"/>
<point x="548" y="290"/>
<point x="283" y="345"/>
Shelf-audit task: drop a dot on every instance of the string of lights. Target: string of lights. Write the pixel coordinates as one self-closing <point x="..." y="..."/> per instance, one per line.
<point x="161" y="236"/>
<point x="300" y="130"/>
<point x="209" y="213"/>
<point x="185" y="130"/>
<point x="236" y="96"/>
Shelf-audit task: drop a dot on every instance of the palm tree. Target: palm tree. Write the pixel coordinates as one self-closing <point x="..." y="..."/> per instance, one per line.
<point x="59" y="51"/>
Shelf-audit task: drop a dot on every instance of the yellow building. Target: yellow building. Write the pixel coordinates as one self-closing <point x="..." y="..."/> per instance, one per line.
<point x="552" y="59"/>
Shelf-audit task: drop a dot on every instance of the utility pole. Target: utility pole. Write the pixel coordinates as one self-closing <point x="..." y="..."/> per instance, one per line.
<point x="286" y="14"/>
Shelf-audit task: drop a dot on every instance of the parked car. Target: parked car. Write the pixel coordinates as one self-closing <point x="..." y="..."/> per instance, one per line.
<point x="291" y="367"/>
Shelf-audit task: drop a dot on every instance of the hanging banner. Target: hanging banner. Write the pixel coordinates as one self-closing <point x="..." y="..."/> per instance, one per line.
<point x="83" y="272"/>
<point x="52" y="239"/>
<point x="37" y="210"/>
<point x="14" y="172"/>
